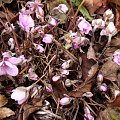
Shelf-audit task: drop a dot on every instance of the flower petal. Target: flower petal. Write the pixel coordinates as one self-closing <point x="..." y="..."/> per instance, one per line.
<point x="11" y="70"/>
<point x="2" y="69"/>
<point x="14" y="60"/>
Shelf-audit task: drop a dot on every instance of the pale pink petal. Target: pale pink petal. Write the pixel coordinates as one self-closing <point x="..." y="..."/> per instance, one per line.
<point x="11" y="70"/>
<point x="2" y="69"/>
<point x="17" y="95"/>
<point x="14" y="60"/>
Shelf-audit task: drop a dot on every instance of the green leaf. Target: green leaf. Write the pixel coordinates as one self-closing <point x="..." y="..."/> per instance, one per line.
<point x="83" y="10"/>
<point x="85" y="13"/>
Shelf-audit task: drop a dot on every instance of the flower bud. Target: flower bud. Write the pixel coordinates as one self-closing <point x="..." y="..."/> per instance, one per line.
<point x="103" y="87"/>
<point x="65" y="101"/>
<point x="55" y="78"/>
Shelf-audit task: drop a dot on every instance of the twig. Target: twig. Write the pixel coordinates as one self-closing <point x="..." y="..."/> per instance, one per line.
<point x="66" y="51"/>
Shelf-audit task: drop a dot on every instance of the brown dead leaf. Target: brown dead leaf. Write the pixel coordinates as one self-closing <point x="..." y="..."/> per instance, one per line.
<point x="93" y="5"/>
<point x="116" y="102"/>
<point x="92" y="71"/>
<point x="6" y="112"/>
<point x="109" y="51"/>
<point x="109" y="70"/>
<point x="81" y="89"/>
<point x="116" y="41"/>
<point x="3" y="100"/>
<point x="58" y="89"/>
<point x="29" y="109"/>
<point x="86" y="65"/>
<point x="91" y="53"/>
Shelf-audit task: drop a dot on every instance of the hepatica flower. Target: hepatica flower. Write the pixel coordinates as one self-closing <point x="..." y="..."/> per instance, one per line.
<point x="36" y="6"/>
<point x="48" y="38"/>
<point x="8" y="66"/>
<point x="26" y="22"/>
<point x="108" y="15"/>
<point x="20" y="94"/>
<point x="116" y="56"/>
<point x="83" y="25"/>
<point x="98" y="23"/>
<point x="110" y="30"/>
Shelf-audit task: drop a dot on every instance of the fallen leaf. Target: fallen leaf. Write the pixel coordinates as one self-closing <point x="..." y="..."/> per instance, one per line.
<point x="29" y="109"/>
<point x="116" y="102"/>
<point x="92" y="71"/>
<point x="91" y="53"/>
<point x="115" y="42"/>
<point x="58" y="89"/>
<point x="84" y="87"/>
<point x="109" y="51"/>
<point x="93" y="5"/>
<point x="109" y="70"/>
<point x="86" y="65"/>
<point x="3" y="100"/>
<point x="6" y="112"/>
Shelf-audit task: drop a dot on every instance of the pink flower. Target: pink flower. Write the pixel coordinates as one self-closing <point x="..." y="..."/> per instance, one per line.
<point x="36" y="6"/>
<point x="8" y="66"/>
<point x="26" y="22"/>
<point x="20" y="94"/>
<point x="32" y="75"/>
<point x="87" y="115"/>
<point x="84" y="26"/>
<point x="116" y="56"/>
<point x="39" y="47"/>
<point x="103" y="87"/>
<point x="65" y="101"/>
<point x="52" y="21"/>
<point x="48" y="38"/>
<point x="98" y="23"/>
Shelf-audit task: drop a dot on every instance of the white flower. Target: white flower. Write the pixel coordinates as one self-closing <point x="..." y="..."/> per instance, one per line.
<point x="98" y="23"/>
<point x="66" y="64"/>
<point x="110" y="30"/>
<point x="20" y="94"/>
<point x="108" y="15"/>
<point x="11" y="43"/>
